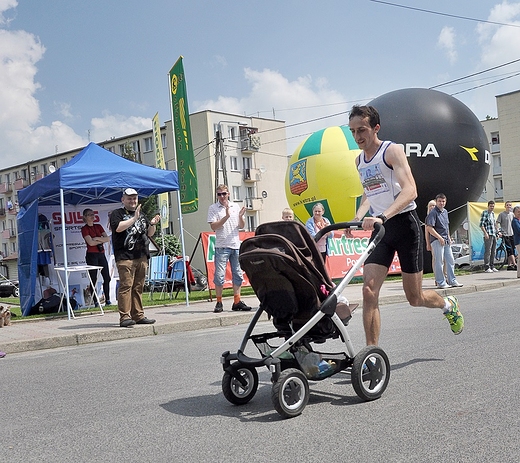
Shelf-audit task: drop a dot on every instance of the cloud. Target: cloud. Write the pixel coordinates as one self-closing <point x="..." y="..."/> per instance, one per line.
<point x="23" y="139"/>
<point x="446" y="41"/>
<point x="308" y="99"/>
<point x="116" y="125"/>
<point x="6" y="5"/>
<point x="500" y="44"/>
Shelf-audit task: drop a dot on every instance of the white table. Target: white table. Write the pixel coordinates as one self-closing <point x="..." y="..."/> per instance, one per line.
<point x="65" y="291"/>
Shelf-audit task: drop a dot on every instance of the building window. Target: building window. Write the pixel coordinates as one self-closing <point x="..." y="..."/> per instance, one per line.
<point x="251" y="226"/>
<point x="236" y="193"/>
<point x="216" y="129"/>
<point x="44" y="169"/>
<point x="232" y="133"/>
<point x="495" y="142"/>
<point x="233" y="161"/>
<point x="148" y="144"/>
<point x="163" y="140"/>
<point x="63" y="161"/>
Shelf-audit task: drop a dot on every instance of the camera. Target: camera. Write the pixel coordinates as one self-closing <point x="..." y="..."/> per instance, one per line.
<point x="100" y="248"/>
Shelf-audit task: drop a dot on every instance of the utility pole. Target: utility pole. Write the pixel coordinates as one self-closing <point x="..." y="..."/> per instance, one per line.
<point x="220" y="160"/>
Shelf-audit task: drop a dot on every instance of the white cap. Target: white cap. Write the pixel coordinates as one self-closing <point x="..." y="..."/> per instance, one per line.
<point x="129" y="192"/>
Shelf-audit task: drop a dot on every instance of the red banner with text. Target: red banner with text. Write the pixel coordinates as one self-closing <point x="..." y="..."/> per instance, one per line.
<point x="343" y="254"/>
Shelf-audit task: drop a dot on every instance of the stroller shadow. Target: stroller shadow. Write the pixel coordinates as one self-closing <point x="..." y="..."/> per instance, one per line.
<point x="260" y="409"/>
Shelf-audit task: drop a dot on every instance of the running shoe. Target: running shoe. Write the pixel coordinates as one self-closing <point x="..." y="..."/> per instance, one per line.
<point x="454" y="316"/>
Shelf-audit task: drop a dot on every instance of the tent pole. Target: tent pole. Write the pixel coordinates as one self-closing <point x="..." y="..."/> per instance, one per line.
<point x="65" y="258"/>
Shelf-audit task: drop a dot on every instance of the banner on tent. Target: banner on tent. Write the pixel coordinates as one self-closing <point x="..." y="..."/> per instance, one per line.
<point x="344" y="252"/>
<point x="76" y="249"/>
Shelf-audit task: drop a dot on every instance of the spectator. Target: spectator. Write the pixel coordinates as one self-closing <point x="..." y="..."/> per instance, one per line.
<point x="288" y="214"/>
<point x="225" y="218"/>
<point x="431" y="205"/>
<point x="130" y="238"/>
<point x="315" y="223"/>
<point x="516" y="233"/>
<point x="438" y="227"/>
<point x="95" y="237"/>
<point x="488" y="227"/>
<point x="504" y="220"/>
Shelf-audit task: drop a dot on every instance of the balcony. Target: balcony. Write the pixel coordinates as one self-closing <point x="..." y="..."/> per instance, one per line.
<point x="8" y="233"/>
<point x="252" y="175"/>
<point x="249" y="140"/>
<point x="6" y="188"/>
<point x="21" y="183"/>
<point x="254" y="204"/>
<point x="38" y="176"/>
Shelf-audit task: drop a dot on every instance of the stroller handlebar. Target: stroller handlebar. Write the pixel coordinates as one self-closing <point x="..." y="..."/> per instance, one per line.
<point x="380" y="230"/>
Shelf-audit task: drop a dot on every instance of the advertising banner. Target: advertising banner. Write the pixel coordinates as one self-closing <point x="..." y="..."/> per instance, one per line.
<point x="182" y="133"/>
<point x="343" y="254"/>
<point x="162" y="198"/>
<point x="476" y="236"/>
<point x="76" y="249"/>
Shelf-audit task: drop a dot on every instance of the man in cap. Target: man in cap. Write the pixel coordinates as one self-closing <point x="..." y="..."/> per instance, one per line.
<point x="130" y="237"/>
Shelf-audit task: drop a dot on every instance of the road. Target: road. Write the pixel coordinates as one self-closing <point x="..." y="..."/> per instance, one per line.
<point x="450" y="398"/>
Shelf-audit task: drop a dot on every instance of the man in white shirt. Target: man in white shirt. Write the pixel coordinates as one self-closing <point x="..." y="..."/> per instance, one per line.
<point x="226" y="218"/>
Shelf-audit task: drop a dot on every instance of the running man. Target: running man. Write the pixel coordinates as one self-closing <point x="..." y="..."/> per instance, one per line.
<point x="389" y="195"/>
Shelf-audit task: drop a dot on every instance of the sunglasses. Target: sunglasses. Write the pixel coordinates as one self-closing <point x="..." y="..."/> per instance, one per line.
<point x="222" y="194"/>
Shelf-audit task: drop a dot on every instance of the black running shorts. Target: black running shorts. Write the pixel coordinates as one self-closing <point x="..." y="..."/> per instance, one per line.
<point x="403" y="234"/>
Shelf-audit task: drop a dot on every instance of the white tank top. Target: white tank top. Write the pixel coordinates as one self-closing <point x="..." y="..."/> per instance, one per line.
<point x="377" y="177"/>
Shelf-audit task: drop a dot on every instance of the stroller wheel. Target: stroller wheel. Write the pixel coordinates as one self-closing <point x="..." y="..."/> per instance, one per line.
<point x="290" y="393"/>
<point x="237" y="393"/>
<point x="370" y="373"/>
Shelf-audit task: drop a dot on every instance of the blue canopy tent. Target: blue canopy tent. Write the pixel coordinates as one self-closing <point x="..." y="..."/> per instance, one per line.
<point x="93" y="176"/>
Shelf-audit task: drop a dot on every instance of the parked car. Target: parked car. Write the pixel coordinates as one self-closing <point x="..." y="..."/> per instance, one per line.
<point x="9" y="288"/>
<point x="459" y="250"/>
<point x="462" y="262"/>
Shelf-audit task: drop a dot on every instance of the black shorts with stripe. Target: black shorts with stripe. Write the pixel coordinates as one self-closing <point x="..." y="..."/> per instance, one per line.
<point x="404" y="235"/>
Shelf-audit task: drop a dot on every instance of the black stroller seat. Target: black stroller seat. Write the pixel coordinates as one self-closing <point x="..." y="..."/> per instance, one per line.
<point x="287" y="274"/>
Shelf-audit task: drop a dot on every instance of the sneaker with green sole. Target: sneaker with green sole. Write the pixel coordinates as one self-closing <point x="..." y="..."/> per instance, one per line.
<point x="454" y="316"/>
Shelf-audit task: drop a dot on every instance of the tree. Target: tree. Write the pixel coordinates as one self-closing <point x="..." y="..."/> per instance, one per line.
<point x="172" y="244"/>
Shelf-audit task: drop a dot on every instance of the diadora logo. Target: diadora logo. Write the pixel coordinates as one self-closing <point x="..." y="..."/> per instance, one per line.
<point x="298" y="177"/>
<point x="417" y="150"/>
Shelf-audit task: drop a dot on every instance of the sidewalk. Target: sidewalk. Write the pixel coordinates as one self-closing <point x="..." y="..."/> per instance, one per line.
<point x="35" y="334"/>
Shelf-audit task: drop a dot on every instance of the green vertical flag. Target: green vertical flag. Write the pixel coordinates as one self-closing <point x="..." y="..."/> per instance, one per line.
<point x="182" y="134"/>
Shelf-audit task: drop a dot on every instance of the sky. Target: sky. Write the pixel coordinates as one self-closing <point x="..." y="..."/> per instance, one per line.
<point x="73" y="72"/>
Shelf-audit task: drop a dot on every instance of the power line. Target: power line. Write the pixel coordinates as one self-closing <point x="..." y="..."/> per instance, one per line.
<point x="484" y="85"/>
<point x="475" y="74"/>
<point x="445" y="14"/>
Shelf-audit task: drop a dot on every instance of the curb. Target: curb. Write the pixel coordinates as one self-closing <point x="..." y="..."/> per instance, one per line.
<point x="198" y="322"/>
<point x="117" y="333"/>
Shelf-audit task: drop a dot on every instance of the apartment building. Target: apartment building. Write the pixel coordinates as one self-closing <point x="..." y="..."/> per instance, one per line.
<point x="504" y="141"/>
<point x="247" y="153"/>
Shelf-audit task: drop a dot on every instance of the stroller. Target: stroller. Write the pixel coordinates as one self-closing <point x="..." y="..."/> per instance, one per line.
<point x="289" y="278"/>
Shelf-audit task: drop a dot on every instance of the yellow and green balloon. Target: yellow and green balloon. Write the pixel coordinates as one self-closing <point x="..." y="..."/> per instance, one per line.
<point x="323" y="170"/>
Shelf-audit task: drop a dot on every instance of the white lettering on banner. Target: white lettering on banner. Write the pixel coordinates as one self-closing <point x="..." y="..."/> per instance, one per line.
<point x="415" y="149"/>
